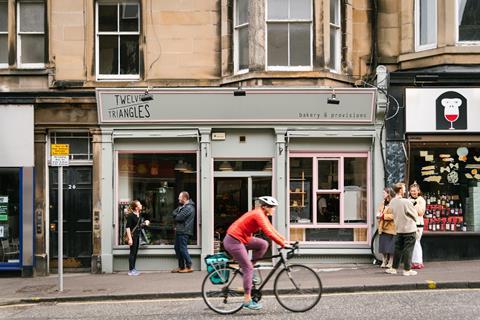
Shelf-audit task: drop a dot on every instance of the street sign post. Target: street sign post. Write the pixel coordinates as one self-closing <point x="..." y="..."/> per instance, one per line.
<point x="60" y="154"/>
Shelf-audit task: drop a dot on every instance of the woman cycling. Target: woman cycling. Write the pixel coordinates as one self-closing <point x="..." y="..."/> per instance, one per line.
<point x="240" y="239"/>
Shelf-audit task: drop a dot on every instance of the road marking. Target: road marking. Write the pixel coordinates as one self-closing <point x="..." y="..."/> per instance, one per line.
<point x="398" y="291"/>
<point x="431" y="284"/>
<point x="200" y="299"/>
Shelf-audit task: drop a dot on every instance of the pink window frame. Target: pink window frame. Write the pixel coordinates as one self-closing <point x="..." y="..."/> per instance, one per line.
<point x="116" y="191"/>
<point x="315" y="156"/>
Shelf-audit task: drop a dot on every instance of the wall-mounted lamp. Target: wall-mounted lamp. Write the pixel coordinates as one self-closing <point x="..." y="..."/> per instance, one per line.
<point x="146" y="96"/>
<point x="239" y="92"/>
<point x="333" y="99"/>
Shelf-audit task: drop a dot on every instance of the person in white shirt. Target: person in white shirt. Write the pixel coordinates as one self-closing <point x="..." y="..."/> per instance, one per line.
<point x="420" y="205"/>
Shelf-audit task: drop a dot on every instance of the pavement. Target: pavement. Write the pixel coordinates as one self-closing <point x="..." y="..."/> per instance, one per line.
<point x="156" y="285"/>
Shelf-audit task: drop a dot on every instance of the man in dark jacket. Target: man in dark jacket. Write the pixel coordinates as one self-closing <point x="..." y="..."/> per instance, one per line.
<point x="184" y="217"/>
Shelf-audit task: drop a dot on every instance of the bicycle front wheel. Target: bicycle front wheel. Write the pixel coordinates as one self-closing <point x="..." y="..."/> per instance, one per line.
<point x="222" y="290"/>
<point x="298" y="288"/>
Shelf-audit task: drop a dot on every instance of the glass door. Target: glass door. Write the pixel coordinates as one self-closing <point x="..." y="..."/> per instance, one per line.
<point x="9" y="217"/>
<point x="237" y="186"/>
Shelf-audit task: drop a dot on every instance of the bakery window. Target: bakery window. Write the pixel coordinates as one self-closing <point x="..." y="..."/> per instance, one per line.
<point x="328" y="197"/>
<point x="449" y="177"/>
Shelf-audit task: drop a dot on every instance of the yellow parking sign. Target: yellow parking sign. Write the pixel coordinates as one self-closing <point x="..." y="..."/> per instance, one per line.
<point x="60" y="149"/>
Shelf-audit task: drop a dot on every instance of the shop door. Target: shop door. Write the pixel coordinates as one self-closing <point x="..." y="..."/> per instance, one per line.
<point x="234" y="196"/>
<point x="77" y="217"/>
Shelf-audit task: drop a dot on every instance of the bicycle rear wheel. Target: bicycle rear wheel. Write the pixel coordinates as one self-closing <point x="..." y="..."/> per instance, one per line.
<point x="377" y="256"/>
<point x="298" y="288"/>
<point x="222" y="290"/>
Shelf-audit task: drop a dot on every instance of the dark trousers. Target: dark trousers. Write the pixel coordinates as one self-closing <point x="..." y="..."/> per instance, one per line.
<point x="404" y="244"/>
<point x="132" y="258"/>
<point x="181" y="251"/>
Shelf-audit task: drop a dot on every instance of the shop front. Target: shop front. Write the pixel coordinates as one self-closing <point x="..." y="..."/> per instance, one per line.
<point x="322" y="161"/>
<point x="16" y="188"/>
<point x="443" y="136"/>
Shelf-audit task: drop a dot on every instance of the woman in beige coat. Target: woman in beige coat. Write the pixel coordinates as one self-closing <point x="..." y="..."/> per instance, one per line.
<point x="386" y="229"/>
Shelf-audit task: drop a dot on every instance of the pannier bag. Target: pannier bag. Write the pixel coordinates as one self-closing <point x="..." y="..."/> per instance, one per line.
<point x="216" y="262"/>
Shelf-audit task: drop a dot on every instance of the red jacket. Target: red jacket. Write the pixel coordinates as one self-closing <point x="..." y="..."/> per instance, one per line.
<point x="253" y="221"/>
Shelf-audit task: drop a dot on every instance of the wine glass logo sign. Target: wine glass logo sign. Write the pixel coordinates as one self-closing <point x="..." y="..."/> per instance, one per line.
<point x="451" y="111"/>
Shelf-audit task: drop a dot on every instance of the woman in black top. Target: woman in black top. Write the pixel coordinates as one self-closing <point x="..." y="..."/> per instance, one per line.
<point x="133" y="227"/>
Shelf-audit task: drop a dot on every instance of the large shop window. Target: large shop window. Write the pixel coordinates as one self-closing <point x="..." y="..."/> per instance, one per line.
<point x="9" y="215"/>
<point x="449" y="177"/>
<point x="328" y="198"/>
<point x="156" y="179"/>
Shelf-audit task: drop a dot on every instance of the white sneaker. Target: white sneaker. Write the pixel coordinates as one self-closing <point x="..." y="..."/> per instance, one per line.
<point x="391" y="271"/>
<point x="409" y="273"/>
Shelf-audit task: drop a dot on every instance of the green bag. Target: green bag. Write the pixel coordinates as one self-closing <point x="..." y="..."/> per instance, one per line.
<point x="215" y="262"/>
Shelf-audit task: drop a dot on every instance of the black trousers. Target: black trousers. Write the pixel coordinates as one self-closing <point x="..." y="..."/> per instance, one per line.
<point x="132" y="258"/>
<point x="404" y="244"/>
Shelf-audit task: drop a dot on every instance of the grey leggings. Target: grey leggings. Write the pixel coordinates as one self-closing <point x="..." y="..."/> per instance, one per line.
<point x="239" y="252"/>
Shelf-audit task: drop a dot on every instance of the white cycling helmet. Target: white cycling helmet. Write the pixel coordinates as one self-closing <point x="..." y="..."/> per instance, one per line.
<point x="269" y="201"/>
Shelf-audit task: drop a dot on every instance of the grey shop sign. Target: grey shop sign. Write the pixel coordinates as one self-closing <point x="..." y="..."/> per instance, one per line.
<point x="220" y="105"/>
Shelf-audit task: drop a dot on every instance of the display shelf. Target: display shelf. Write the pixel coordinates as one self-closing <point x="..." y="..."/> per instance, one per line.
<point x="297" y="191"/>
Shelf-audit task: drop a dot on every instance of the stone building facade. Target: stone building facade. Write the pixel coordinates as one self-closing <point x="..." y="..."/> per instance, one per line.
<point x="54" y="55"/>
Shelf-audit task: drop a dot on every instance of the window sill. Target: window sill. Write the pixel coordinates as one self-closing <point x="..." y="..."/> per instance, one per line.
<point x="154" y="250"/>
<point x="290" y="74"/>
<point x="108" y="78"/>
<point x="23" y="72"/>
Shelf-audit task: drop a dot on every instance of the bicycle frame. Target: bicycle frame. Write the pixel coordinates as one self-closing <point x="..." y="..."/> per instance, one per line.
<point x="281" y="261"/>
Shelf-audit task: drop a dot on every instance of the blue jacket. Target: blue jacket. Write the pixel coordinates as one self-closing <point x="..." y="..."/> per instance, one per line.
<point x="184" y="217"/>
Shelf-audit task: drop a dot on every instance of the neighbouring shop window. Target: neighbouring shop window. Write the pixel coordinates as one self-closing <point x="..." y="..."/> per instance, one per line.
<point x="449" y="178"/>
<point x="156" y="180"/>
<point x="425" y="24"/>
<point x="118" y="37"/>
<point x="289" y="32"/>
<point x="31" y="34"/>
<point x="241" y="35"/>
<point x="339" y="188"/>
<point x="9" y="215"/>
<point x="3" y="34"/>
<point x="468" y="20"/>
<point x="80" y="144"/>
<point x="335" y="36"/>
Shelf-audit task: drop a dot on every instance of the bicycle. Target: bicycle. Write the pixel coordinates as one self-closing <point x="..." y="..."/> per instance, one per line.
<point x="296" y="287"/>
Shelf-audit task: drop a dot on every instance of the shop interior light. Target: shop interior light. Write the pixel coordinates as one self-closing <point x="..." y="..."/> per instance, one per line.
<point x="180" y="166"/>
<point x="225" y="166"/>
<point x="333" y="99"/>
<point x="189" y="169"/>
<point x="268" y="166"/>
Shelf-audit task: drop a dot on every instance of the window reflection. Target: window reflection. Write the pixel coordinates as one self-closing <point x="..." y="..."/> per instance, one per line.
<point x="156" y="180"/>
